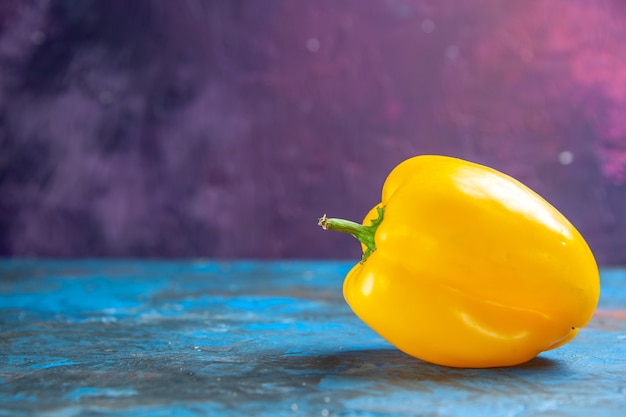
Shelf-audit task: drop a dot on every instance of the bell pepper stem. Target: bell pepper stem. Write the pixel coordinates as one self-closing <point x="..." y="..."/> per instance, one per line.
<point x="365" y="234"/>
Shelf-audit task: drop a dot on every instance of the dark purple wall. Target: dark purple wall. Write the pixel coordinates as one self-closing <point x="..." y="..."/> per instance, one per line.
<point x="225" y="128"/>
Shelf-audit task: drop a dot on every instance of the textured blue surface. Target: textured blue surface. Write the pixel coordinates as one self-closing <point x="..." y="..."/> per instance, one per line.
<point x="128" y="338"/>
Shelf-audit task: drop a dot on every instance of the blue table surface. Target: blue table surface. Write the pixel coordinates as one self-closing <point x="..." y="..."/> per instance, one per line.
<point x="135" y="338"/>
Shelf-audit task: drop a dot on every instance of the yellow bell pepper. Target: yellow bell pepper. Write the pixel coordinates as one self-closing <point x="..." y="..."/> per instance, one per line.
<point x="464" y="266"/>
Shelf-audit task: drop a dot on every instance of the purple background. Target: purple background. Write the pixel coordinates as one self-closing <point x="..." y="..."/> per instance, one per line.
<point x="226" y="128"/>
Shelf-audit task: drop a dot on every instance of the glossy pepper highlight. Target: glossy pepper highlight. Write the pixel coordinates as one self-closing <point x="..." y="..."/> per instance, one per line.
<point x="464" y="266"/>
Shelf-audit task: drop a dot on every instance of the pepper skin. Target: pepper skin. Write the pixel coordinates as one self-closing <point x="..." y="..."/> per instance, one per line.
<point x="464" y="266"/>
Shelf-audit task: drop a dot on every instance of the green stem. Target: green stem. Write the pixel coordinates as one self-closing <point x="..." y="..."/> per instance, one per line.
<point x="365" y="234"/>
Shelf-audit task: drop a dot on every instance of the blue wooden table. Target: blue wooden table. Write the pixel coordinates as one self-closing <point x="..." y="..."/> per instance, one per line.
<point x="124" y="338"/>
